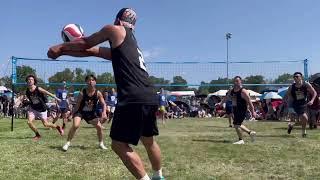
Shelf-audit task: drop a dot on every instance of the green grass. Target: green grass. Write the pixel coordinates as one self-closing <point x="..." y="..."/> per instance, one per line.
<point x="192" y="149"/>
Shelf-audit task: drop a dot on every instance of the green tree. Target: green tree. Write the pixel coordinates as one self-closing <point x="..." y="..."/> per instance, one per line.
<point x="105" y="78"/>
<point x="22" y="73"/>
<point x="79" y="76"/>
<point x="6" y="81"/>
<point x="285" y="78"/>
<point x="179" y="81"/>
<point x="65" y="75"/>
<point x="218" y="81"/>
<point x="258" y="79"/>
<point x="203" y="89"/>
<point x="160" y="81"/>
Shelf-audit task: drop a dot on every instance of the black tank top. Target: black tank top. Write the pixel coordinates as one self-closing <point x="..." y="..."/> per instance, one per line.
<point x="299" y="94"/>
<point x="238" y="103"/>
<point x="88" y="103"/>
<point x="37" y="100"/>
<point x="131" y="76"/>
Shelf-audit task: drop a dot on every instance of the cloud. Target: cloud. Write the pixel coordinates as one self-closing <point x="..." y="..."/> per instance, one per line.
<point x="152" y="53"/>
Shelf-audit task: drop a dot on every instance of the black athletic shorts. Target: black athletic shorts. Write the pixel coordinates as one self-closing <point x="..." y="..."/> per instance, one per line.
<point x="63" y="110"/>
<point x="87" y="116"/>
<point x="228" y="110"/>
<point x="132" y="121"/>
<point x="300" y="109"/>
<point x="238" y="116"/>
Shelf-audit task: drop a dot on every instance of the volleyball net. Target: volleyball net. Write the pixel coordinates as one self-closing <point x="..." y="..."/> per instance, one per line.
<point x="163" y="73"/>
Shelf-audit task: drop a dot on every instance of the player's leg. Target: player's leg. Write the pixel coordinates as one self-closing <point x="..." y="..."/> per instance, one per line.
<point x="44" y="120"/>
<point x="126" y="129"/>
<point x="72" y="131"/>
<point x="154" y="154"/>
<point x="304" y="120"/>
<point x="31" y="118"/>
<point x="97" y="124"/>
<point x="129" y="158"/>
<point x="150" y="129"/>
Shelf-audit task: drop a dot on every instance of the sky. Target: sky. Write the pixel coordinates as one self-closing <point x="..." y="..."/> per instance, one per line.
<point x="169" y="30"/>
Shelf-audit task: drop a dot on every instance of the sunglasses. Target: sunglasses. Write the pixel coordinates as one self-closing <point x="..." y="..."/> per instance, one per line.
<point x="296" y="76"/>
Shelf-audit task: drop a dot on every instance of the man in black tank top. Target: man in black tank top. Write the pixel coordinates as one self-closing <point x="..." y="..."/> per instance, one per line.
<point x="38" y="107"/>
<point x="240" y="101"/>
<point x="86" y="108"/>
<point x="134" y="118"/>
<point x="298" y="95"/>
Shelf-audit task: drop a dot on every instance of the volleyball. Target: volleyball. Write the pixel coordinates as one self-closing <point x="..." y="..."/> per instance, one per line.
<point x="71" y="32"/>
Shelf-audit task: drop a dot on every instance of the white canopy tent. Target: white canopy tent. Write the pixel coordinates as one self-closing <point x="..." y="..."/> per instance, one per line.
<point x="219" y="93"/>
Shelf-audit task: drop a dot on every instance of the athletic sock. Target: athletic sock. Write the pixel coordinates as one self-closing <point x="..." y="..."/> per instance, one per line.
<point x="146" y="177"/>
<point x="157" y="173"/>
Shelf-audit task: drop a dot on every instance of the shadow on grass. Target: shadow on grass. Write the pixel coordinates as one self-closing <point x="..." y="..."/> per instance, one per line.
<point x="286" y="128"/>
<point x="88" y="127"/>
<point x="273" y="121"/>
<point x="223" y="127"/>
<point x="11" y="137"/>
<point x="212" y="140"/>
<point x="278" y="136"/>
<point x="59" y="148"/>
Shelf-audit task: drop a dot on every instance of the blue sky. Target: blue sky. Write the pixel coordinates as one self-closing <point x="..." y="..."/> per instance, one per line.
<point x="170" y="30"/>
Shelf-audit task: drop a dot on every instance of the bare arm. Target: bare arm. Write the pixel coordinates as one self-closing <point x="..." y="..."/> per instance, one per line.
<point x="245" y="95"/>
<point x="103" y="103"/>
<point x="225" y="98"/>
<point x="48" y="93"/>
<point x="101" y="52"/>
<point x="289" y="95"/>
<point x="107" y="33"/>
<point x="79" y="99"/>
<point x="313" y="93"/>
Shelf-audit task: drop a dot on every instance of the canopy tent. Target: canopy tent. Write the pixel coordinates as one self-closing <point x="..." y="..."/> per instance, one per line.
<point x="283" y="91"/>
<point x="182" y="93"/>
<point x="219" y="93"/>
<point x="253" y="93"/>
<point x="272" y="95"/>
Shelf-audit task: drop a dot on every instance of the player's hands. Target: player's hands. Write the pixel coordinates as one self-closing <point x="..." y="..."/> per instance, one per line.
<point x="254" y="114"/>
<point x="104" y="116"/>
<point x="310" y="103"/>
<point x="58" y="100"/>
<point x="54" y="52"/>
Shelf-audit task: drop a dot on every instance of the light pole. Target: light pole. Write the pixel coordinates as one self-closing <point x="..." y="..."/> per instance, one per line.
<point x="228" y="36"/>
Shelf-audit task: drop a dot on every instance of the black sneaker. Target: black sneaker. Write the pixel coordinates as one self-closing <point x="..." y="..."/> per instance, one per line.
<point x="230" y="126"/>
<point x="304" y="135"/>
<point x="290" y="127"/>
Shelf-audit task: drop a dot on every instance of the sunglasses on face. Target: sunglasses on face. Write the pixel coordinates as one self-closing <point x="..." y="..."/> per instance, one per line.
<point x="296" y="76"/>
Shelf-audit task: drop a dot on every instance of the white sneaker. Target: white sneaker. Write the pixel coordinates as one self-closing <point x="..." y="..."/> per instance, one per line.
<point x="102" y="146"/>
<point x="239" y="142"/>
<point x="66" y="146"/>
<point x="253" y="135"/>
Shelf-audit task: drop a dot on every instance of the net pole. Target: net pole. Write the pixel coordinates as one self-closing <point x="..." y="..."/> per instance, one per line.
<point x="13" y="80"/>
<point x="306" y="73"/>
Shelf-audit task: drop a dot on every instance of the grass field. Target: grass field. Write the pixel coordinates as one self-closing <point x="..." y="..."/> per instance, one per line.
<point x="193" y="149"/>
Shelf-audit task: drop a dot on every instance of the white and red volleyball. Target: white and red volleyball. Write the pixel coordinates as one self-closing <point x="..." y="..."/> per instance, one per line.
<point x="71" y="32"/>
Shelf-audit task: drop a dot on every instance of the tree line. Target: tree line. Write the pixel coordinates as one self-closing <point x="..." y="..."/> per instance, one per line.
<point x="78" y="75"/>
